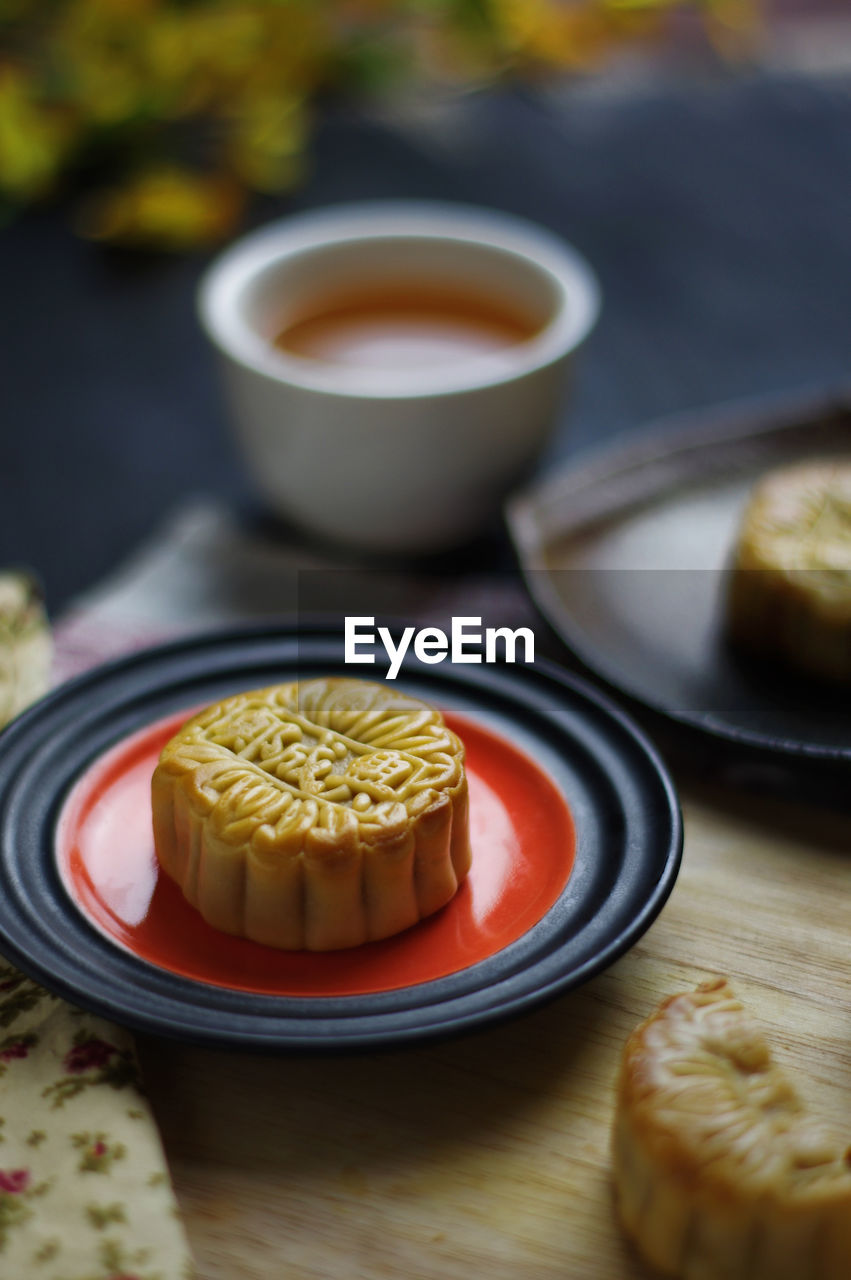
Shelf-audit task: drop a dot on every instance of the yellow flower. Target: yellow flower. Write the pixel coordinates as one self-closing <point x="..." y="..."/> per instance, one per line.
<point x="33" y="138"/>
<point x="266" y="141"/>
<point x="231" y="83"/>
<point x="164" y="208"/>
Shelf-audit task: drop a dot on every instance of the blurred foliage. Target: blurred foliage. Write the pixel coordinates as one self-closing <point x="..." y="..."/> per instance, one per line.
<point x="169" y="113"/>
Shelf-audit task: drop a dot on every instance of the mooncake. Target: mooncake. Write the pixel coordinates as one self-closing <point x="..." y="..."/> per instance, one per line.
<point x="720" y="1172"/>
<point x="790" y="583"/>
<point x="319" y="814"/>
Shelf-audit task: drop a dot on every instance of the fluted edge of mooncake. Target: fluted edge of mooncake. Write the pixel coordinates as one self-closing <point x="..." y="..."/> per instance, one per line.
<point x="316" y="887"/>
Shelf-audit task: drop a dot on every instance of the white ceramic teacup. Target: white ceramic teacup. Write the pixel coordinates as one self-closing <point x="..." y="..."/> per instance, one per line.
<point x="407" y="460"/>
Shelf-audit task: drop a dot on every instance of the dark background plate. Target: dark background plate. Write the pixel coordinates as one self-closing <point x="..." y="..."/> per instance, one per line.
<point x="626" y="557"/>
<point x="629" y="842"/>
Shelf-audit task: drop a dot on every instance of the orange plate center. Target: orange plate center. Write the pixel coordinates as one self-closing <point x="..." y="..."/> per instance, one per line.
<point x="523" y="847"/>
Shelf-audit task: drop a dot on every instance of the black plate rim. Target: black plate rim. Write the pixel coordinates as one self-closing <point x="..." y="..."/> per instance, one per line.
<point x="268" y="1023"/>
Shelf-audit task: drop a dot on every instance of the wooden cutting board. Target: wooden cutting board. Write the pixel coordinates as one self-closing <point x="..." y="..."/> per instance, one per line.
<point x="489" y="1155"/>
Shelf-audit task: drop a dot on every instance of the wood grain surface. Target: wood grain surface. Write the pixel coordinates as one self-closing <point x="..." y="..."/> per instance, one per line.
<point x="488" y="1155"/>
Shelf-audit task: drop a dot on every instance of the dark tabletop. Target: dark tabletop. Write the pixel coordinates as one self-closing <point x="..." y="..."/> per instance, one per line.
<point x="717" y="216"/>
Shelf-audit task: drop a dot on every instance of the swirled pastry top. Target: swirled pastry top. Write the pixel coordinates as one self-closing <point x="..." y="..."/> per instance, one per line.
<point x="319" y="814"/>
<point x="333" y="753"/>
<point x="789" y="592"/>
<point x="720" y="1170"/>
<point x="799" y="517"/>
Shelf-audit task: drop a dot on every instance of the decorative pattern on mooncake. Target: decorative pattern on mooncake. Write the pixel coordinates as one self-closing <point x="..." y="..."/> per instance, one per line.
<point x="790" y="583"/>
<point x="721" y="1173"/>
<point x="320" y="814"/>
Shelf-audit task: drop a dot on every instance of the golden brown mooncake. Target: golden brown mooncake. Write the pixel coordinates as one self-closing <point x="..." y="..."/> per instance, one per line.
<point x="320" y="814"/>
<point x="790" y="582"/>
<point x="720" y="1171"/>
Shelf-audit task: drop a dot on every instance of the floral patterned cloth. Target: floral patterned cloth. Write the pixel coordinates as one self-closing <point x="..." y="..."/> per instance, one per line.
<point x="84" y="1187"/>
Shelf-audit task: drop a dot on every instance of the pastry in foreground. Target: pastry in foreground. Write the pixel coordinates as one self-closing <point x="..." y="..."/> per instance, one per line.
<point x="790" y="580"/>
<point x="720" y="1172"/>
<point x="319" y="814"/>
